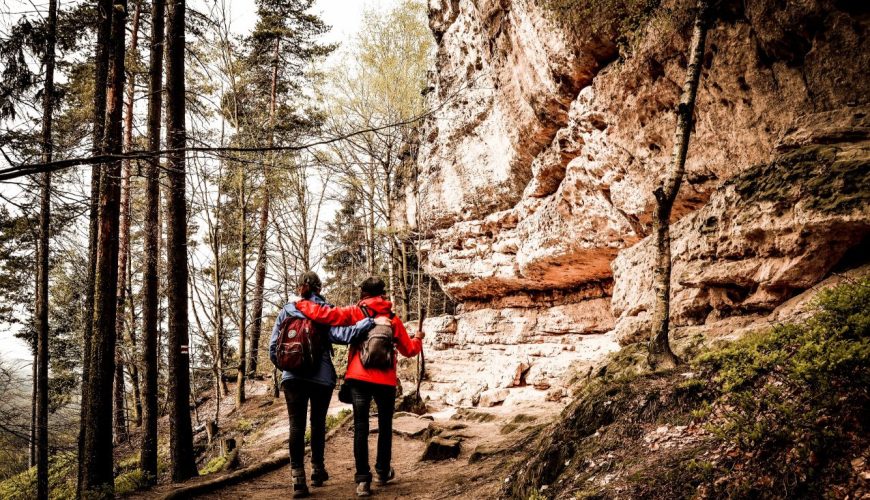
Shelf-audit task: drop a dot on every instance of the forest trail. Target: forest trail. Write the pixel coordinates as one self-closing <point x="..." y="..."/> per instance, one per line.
<point x="489" y="442"/>
<point x="414" y="479"/>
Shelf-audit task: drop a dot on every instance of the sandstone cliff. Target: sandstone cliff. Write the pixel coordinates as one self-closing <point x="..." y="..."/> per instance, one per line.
<point x="551" y="130"/>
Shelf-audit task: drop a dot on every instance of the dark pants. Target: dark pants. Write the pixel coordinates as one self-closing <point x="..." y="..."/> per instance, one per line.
<point x="385" y="398"/>
<point x="297" y="393"/>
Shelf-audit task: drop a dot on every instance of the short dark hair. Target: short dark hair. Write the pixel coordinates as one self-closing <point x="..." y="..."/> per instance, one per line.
<point x="312" y="280"/>
<point x="372" y="287"/>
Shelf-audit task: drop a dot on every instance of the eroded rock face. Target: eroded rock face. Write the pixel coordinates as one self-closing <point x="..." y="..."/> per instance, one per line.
<point x="772" y="231"/>
<point x="481" y="350"/>
<point x="539" y="163"/>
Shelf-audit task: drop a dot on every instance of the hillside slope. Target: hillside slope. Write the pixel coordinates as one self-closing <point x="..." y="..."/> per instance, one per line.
<point x="781" y="413"/>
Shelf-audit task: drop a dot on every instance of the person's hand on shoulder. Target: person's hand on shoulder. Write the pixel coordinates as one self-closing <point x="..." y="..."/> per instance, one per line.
<point x="365" y="325"/>
<point x="420" y="335"/>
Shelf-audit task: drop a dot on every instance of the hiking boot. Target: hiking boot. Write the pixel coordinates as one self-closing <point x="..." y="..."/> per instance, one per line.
<point x="300" y="489"/>
<point x="383" y="479"/>
<point x="364" y="489"/>
<point x="318" y="476"/>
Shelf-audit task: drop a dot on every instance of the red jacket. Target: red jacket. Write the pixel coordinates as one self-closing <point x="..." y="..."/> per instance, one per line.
<point x="346" y="316"/>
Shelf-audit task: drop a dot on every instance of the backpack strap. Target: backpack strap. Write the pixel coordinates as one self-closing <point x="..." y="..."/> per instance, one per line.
<point x="366" y="311"/>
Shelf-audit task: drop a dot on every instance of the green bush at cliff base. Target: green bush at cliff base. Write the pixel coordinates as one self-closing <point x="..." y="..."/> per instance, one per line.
<point x="781" y="413"/>
<point x="794" y="397"/>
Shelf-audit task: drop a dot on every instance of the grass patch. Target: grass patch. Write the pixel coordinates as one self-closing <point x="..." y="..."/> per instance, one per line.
<point x="216" y="464"/>
<point x="61" y="480"/>
<point x="332" y="421"/>
<point x="130" y="482"/>
<point x="244" y="426"/>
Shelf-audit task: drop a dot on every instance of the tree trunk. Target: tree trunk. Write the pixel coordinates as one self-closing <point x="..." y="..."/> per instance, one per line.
<point x="42" y="264"/>
<point x="124" y="243"/>
<point x="31" y="461"/>
<point x="150" y="285"/>
<point x="119" y="405"/>
<point x="180" y="430"/>
<point x="134" y="359"/>
<point x="243" y="292"/>
<point x="371" y="230"/>
<point x="660" y="354"/>
<point x="220" y="380"/>
<point x="260" y="272"/>
<point x="97" y="474"/>
<point x="101" y="68"/>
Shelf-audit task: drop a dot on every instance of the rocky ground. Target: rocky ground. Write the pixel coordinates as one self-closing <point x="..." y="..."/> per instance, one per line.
<point x="467" y="450"/>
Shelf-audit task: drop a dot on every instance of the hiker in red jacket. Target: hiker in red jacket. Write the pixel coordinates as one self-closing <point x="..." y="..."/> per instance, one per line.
<point x="367" y="383"/>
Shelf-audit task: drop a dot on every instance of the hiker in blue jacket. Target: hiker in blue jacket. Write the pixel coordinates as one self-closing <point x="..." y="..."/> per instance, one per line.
<point x="316" y="386"/>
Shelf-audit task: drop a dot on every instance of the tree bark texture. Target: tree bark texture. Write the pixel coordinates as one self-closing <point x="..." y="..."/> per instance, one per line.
<point x="260" y="270"/>
<point x="101" y="68"/>
<point x="243" y="292"/>
<point x="124" y="244"/>
<point x="660" y="353"/>
<point x="97" y="473"/>
<point x="42" y="263"/>
<point x="180" y="430"/>
<point x="150" y="284"/>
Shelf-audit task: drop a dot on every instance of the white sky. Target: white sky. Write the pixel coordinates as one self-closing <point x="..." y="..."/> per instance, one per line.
<point x="343" y="15"/>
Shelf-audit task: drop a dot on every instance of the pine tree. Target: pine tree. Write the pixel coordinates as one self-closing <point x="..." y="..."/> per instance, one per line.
<point x="283" y="44"/>
<point x="97" y="457"/>
<point x="148" y="456"/>
<point x="101" y="69"/>
<point x="42" y="261"/>
<point x="180" y="430"/>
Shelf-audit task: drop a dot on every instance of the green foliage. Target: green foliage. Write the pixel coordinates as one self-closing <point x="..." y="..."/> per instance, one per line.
<point x="128" y="463"/>
<point x="826" y="352"/>
<point x="332" y="421"/>
<point x="784" y="410"/>
<point x="791" y="394"/>
<point x="244" y="426"/>
<point x="17" y="254"/>
<point x="216" y="464"/>
<point x="129" y="482"/>
<point x="61" y="467"/>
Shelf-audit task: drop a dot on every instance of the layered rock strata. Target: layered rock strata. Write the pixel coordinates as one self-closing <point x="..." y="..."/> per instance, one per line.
<point x="539" y="162"/>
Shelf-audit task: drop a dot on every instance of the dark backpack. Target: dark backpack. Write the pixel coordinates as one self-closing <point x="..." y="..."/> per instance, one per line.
<point x="377" y="350"/>
<point x="300" y="346"/>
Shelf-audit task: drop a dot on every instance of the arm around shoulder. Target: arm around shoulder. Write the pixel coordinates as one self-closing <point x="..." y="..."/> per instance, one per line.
<point x="328" y="315"/>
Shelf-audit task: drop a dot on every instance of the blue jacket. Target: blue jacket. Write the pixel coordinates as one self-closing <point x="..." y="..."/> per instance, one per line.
<point x="325" y="373"/>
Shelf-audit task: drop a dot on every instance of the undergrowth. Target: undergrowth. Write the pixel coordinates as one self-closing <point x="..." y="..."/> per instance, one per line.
<point x="780" y="413"/>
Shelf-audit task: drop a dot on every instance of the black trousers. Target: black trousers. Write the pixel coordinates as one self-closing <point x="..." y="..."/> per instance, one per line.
<point x="385" y="398"/>
<point x="298" y="393"/>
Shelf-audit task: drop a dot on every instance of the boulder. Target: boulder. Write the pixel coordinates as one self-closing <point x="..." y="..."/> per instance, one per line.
<point x="493" y="397"/>
<point x="438" y="448"/>
<point x="410" y="426"/>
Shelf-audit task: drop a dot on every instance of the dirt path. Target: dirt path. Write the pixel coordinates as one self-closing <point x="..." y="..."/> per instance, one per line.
<point x="414" y="479"/>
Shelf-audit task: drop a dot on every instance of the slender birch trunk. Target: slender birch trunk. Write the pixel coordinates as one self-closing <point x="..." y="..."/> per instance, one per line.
<point x="660" y="354"/>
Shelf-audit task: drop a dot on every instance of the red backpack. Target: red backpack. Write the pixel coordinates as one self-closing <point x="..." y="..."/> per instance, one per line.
<point x="300" y="346"/>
